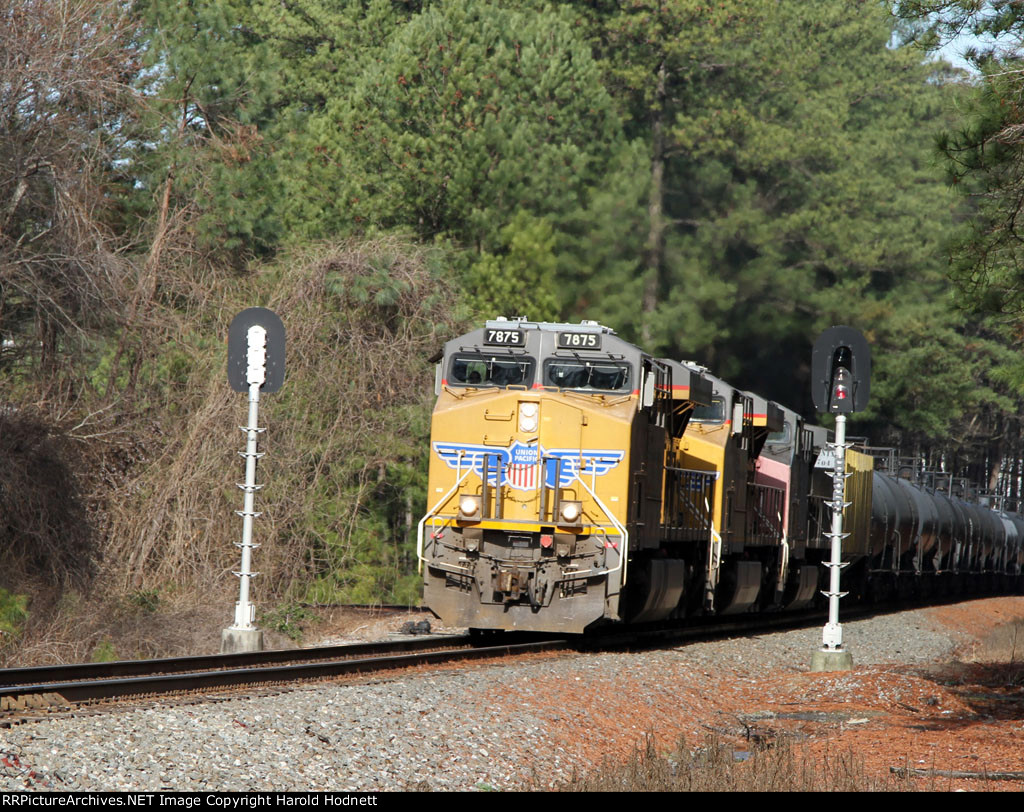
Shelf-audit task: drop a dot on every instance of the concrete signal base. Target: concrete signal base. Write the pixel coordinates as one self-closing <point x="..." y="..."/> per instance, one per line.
<point x="831" y="660"/>
<point x="238" y="641"/>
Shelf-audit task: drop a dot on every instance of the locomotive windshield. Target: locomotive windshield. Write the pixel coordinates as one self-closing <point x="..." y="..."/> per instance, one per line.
<point x="477" y="369"/>
<point x="713" y="413"/>
<point x="596" y="376"/>
<point x="784" y="437"/>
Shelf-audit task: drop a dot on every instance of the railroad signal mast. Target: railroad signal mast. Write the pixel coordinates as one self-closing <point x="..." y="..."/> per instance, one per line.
<point x="255" y="363"/>
<point x="841" y="381"/>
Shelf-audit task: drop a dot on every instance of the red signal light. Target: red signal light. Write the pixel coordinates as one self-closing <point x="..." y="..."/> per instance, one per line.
<point x="841" y="396"/>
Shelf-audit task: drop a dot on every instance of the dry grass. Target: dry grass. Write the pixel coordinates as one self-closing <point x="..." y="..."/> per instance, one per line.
<point x="717" y="766"/>
<point x="126" y="626"/>
<point x="1004" y="644"/>
<point x="359" y="329"/>
<point x="110" y="499"/>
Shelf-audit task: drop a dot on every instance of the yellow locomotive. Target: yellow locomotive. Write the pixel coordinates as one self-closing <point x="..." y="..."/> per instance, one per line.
<point x="576" y="480"/>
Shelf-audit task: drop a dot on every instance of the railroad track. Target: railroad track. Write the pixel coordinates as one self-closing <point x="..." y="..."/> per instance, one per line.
<point x="63" y="686"/>
<point x="60" y="687"/>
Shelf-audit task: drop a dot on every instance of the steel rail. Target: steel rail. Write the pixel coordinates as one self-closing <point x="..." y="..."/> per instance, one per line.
<point x="169" y="665"/>
<point x="13" y="696"/>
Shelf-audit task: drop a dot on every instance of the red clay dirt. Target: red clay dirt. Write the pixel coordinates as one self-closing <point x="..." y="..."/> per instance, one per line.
<point x="965" y="715"/>
<point x="962" y="715"/>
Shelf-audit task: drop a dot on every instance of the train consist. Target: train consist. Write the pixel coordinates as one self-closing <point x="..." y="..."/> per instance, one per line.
<point x="576" y="481"/>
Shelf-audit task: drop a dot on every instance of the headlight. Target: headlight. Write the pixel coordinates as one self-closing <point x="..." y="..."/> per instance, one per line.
<point x="469" y="505"/>
<point x="528" y="414"/>
<point x="571" y="512"/>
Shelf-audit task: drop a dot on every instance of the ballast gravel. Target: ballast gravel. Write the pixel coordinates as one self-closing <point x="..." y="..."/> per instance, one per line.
<point x="475" y="727"/>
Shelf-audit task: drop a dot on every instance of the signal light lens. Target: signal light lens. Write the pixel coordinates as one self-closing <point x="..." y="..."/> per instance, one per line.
<point x="841" y="382"/>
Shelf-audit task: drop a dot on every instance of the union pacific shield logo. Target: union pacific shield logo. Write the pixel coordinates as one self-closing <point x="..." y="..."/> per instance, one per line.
<point x="520" y="463"/>
<point x="522" y="467"/>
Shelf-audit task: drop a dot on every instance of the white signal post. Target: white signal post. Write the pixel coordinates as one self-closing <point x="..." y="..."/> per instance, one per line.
<point x="840" y="384"/>
<point x="832" y="634"/>
<point x="243" y="635"/>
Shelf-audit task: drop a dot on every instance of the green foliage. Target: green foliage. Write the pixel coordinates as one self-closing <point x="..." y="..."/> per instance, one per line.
<point x="287" y="619"/>
<point x="13" y="615"/>
<point x="158" y="378"/>
<point x="471" y="112"/>
<point x="364" y="482"/>
<point x="980" y="151"/>
<point x="478" y="124"/>
<point x="982" y="157"/>
<point x="521" y="280"/>
<point x="145" y="600"/>
<point x="210" y="87"/>
<point x="715" y="181"/>
<point x="313" y="120"/>
<point x="104" y="652"/>
<point x="345" y="467"/>
<point x="798" y="189"/>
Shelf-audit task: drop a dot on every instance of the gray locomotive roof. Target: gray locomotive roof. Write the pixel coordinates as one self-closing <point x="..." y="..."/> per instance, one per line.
<point x="585" y="326"/>
<point x="540" y="339"/>
<point x="775" y="420"/>
<point x="698" y="384"/>
<point x="718" y="386"/>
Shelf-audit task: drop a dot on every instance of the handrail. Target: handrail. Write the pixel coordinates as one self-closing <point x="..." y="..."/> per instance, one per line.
<point x="430" y="514"/>
<point x="774" y="495"/>
<point x="616" y="523"/>
<point x="709" y="479"/>
<point x="714" y="562"/>
<point x="784" y="558"/>
<point x="714" y="567"/>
